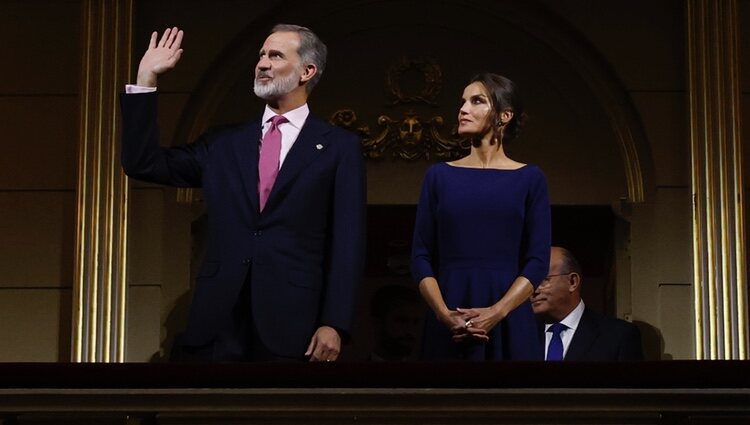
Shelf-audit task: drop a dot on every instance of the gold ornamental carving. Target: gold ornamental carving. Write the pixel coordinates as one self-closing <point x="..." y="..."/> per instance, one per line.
<point x="411" y="136"/>
<point x="432" y="78"/>
<point x="408" y="138"/>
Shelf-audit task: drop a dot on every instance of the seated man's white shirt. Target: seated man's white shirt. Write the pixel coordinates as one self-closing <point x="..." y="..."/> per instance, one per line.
<point x="571" y="321"/>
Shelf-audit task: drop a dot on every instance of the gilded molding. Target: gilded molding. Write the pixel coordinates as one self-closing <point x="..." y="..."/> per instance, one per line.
<point x="719" y="272"/>
<point x="100" y="287"/>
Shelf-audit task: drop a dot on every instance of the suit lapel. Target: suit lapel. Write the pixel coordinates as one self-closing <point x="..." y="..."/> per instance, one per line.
<point x="541" y="334"/>
<point x="309" y="144"/>
<point x="246" y="147"/>
<point x="585" y="335"/>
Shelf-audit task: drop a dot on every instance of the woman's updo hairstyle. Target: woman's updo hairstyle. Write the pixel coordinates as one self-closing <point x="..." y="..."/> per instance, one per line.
<point x="503" y="97"/>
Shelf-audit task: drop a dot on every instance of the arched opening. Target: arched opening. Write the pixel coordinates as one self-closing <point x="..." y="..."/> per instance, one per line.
<point x="584" y="131"/>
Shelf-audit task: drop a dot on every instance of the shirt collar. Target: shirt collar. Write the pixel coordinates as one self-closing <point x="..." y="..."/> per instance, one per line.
<point x="572" y="319"/>
<point x="296" y="117"/>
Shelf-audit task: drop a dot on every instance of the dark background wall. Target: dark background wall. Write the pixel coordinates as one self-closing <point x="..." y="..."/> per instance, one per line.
<point x="559" y="52"/>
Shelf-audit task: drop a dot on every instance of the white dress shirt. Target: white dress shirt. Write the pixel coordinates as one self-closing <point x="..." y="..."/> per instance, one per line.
<point x="571" y="321"/>
<point x="134" y="89"/>
<point x="289" y="130"/>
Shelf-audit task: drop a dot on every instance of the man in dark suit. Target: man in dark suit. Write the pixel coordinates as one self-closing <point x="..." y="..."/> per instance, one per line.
<point x="285" y="248"/>
<point x="572" y="331"/>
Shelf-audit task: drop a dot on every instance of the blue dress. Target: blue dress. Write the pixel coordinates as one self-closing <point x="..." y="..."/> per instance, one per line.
<point x="476" y="231"/>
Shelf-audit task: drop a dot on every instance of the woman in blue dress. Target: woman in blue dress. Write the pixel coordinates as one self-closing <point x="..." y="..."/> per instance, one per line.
<point x="482" y="237"/>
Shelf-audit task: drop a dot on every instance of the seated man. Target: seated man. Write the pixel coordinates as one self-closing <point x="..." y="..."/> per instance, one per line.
<point x="572" y="331"/>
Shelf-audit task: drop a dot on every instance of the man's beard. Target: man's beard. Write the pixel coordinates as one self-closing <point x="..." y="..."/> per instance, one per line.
<point x="277" y="87"/>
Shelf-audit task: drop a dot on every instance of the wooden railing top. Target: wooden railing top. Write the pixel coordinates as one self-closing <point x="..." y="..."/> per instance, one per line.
<point x="488" y="375"/>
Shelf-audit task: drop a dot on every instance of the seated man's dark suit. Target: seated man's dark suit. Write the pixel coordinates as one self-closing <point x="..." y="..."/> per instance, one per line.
<point x="300" y="259"/>
<point x="601" y="338"/>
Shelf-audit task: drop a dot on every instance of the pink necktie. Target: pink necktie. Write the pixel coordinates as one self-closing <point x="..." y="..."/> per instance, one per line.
<point x="268" y="165"/>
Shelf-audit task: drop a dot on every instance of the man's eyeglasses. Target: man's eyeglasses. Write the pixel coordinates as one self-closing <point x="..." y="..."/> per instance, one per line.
<point x="549" y="277"/>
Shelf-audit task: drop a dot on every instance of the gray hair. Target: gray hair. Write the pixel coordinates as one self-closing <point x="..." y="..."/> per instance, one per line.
<point x="311" y="49"/>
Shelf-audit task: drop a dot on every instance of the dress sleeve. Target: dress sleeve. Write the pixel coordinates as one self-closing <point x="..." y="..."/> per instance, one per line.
<point x="537" y="231"/>
<point x="424" y="244"/>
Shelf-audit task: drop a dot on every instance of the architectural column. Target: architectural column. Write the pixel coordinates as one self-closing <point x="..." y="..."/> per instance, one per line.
<point x="99" y="287"/>
<point x="719" y="272"/>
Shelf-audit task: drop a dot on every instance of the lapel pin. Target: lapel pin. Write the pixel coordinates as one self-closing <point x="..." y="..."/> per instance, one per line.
<point x="318" y="146"/>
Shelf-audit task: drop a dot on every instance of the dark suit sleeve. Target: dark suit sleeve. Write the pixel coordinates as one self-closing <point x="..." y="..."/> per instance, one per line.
<point x="144" y="159"/>
<point x="600" y="338"/>
<point x="631" y="348"/>
<point x="347" y="239"/>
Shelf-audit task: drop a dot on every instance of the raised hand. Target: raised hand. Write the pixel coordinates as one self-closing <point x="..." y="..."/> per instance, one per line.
<point x="160" y="57"/>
